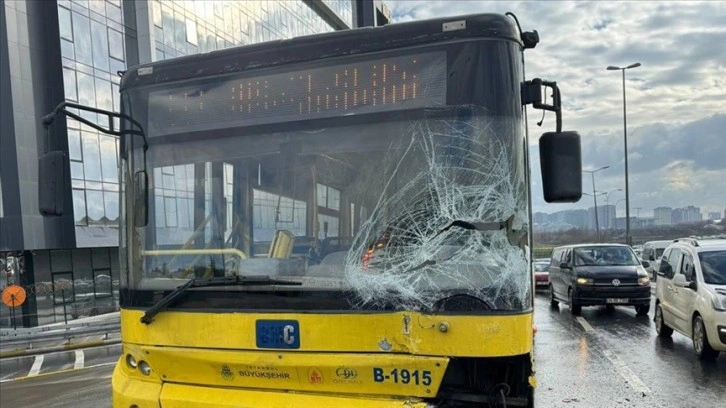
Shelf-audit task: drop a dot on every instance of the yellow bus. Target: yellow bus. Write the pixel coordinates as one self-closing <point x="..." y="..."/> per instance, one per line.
<point x="339" y="220"/>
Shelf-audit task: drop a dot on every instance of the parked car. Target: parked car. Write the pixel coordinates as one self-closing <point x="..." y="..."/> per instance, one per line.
<point x="652" y="252"/>
<point x="542" y="273"/>
<point x="691" y="294"/>
<point x="598" y="274"/>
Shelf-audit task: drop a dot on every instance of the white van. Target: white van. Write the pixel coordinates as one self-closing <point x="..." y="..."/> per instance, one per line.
<point x="652" y="252"/>
<point x="691" y="294"/>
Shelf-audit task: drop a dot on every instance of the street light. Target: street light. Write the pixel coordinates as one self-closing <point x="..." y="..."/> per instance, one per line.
<point x="594" y="196"/>
<point x="625" y="141"/>
<point x="607" y="203"/>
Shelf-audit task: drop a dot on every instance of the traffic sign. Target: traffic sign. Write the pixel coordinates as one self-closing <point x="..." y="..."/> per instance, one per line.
<point x="14" y="296"/>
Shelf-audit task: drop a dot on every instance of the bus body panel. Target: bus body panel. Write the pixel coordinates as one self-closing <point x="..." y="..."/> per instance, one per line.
<point x="404" y="332"/>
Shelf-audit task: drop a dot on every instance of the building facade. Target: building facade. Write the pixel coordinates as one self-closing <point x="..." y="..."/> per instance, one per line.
<point x="75" y="50"/>
<point x="663" y="216"/>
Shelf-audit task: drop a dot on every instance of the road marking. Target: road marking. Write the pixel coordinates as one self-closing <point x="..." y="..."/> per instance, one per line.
<point x="585" y="325"/>
<point x="79" y="359"/>
<point x="56" y="372"/>
<point x="635" y="382"/>
<point x="37" y="363"/>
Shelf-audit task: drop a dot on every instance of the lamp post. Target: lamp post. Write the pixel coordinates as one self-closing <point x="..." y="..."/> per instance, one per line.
<point x="607" y="203"/>
<point x="594" y="196"/>
<point x="625" y="142"/>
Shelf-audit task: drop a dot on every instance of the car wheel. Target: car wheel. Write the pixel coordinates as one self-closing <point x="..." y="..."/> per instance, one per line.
<point x="700" y="341"/>
<point x="553" y="300"/>
<point x="575" y="309"/>
<point x="660" y="326"/>
<point x="642" y="310"/>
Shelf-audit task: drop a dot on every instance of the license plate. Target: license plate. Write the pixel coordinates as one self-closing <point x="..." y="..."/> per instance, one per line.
<point x="277" y="334"/>
<point x="617" y="300"/>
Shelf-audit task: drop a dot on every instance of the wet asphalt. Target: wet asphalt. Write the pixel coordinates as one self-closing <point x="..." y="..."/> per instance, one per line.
<point x="613" y="358"/>
<point x="605" y="358"/>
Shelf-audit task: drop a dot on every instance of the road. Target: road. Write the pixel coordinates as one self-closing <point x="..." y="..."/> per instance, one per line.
<point x="604" y="358"/>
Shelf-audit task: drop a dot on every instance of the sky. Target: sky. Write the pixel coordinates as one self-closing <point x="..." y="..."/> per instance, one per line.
<point x="675" y="101"/>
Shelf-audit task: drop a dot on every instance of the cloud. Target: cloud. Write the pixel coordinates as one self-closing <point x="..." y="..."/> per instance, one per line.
<point x="675" y="114"/>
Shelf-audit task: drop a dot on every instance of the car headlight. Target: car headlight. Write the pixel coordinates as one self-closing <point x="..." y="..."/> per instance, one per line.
<point x="719" y="302"/>
<point x="585" y="281"/>
<point x="644" y="281"/>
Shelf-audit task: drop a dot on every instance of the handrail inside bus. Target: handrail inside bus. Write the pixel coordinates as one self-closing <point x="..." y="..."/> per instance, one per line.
<point x="225" y="251"/>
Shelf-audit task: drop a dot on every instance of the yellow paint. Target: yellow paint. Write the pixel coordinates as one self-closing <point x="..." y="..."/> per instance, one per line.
<point x="371" y="374"/>
<point x="212" y="359"/>
<point x="180" y="396"/>
<point x="400" y="332"/>
<point x="128" y="391"/>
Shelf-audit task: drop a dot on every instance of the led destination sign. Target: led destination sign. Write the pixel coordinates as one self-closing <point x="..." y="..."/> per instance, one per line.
<point x="396" y="83"/>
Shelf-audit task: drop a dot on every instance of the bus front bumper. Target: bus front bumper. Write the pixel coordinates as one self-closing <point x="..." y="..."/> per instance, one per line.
<point x="131" y="392"/>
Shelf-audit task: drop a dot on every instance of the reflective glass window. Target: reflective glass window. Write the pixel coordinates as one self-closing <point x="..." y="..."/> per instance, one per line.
<point x="86" y="89"/>
<point x="77" y="173"/>
<point x="180" y="37"/>
<point x="91" y="157"/>
<point x="64" y="20"/>
<point x="115" y="44"/>
<point x="79" y="207"/>
<point x="103" y="94"/>
<point x="98" y="7"/>
<point x="111" y="200"/>
<point x="68" y="53"/>
<point x="191" y="27"/>
<point x="95" y="206"/>
<point x="159" y="211"/>
<point x="100" y="45"/>
<point x="114" y="12"/>
<point x="108" y="159"/>
<point x="74" y="144"/>
<point x="156" y="13"/>
<point x="82" y="36"/>
<point x="69" y="84"/>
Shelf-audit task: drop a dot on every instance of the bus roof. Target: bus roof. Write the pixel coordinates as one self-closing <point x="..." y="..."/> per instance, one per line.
<point x="319" y="46"/>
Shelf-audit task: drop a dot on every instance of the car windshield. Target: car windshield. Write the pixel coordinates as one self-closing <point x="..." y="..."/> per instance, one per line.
<point x="659" y="252"/>
<point x="605" y="256"/>
<point x="713" y="265"/>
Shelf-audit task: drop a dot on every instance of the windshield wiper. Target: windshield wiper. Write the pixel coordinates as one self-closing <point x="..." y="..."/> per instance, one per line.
<point x="182" y="290"/>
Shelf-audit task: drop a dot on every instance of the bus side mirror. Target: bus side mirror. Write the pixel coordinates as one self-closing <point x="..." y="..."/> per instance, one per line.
<point x="52" y="170"/>
<point x="561" y="165"/>
<point x="141" y="199"/>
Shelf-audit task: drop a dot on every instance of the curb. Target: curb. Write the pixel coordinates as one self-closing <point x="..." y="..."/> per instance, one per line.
<point x="65" y="347"/>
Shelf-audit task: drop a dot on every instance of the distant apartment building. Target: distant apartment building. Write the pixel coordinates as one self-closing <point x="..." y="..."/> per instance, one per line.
<point x="663" y="216"/>
<point x="561" y="220"/>
<point x="713" y="216"/>
<point x="540" y="218"/>
<point x="605" y="217"/>
<point x="687" y="215"/>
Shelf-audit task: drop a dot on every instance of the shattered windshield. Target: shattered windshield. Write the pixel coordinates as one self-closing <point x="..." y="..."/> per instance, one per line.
<point x="424" y="211"/>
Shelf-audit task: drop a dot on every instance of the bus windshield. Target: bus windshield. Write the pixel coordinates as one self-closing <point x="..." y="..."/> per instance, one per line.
<point x="423" y="206"/>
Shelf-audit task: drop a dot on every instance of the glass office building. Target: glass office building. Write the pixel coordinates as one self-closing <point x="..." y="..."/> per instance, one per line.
<point x="74" y="51"/>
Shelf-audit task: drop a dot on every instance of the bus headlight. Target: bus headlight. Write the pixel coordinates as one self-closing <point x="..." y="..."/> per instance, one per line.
<point x="585" y="281"/>
<point x="131" y="361"/>
<point x="144" y="367"/>
<point x="644" y="281"/>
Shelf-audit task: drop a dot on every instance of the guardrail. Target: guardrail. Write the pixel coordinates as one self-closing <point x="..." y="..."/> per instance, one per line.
<point x="29" y="337"/>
